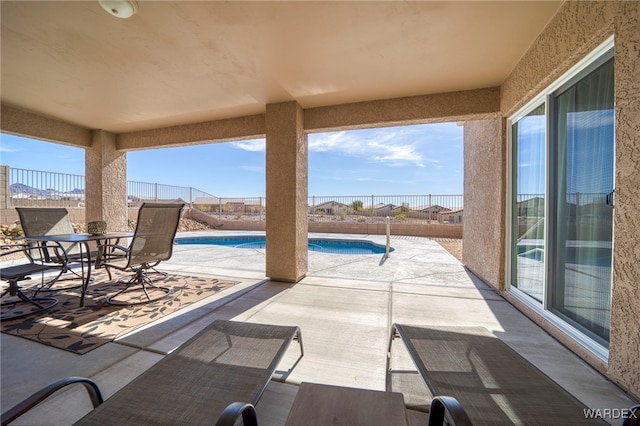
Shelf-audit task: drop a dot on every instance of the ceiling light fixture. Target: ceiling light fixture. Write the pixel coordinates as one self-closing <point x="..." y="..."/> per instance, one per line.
<point x="120" y="8"/>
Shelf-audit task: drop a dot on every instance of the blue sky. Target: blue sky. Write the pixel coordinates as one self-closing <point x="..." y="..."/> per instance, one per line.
<point x="405" y="160"/>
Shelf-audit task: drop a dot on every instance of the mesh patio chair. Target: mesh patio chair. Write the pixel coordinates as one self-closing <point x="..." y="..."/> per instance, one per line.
<point x="220" y="373"/>
<point x="39" y="221"/>
<point x="16" y="271"/>
<point x="151" y="244"/>
<point x="494" y="383"/>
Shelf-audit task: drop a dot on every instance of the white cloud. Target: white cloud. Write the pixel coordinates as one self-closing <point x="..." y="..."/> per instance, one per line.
<point x="4" y="148"/>
<point x="391" y="146"/>
<point x="388" y="146"/>
<point x="253" y="145"/>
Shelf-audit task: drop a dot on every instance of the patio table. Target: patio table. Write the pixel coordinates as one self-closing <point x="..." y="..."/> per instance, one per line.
<point x="83" y="240"/>
<point x="318" y="404"/>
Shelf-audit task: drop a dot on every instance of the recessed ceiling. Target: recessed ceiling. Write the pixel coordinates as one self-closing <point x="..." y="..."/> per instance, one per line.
<point x="184" y="62"/>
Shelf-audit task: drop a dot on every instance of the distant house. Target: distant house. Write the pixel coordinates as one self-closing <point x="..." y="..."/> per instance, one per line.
<point x="432" y="211"/>
<point x="329" y="208"/>
<point x="533" y="207"/>
<point x="433" y="208"/>
<point x="451" y="216"/>
<point x="383" y="209"/>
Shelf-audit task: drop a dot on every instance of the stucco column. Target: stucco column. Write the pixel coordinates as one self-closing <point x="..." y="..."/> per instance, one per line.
<point x="483" y="248"/>
<point x="287" y="166"/>
<point x="106" y="181"/>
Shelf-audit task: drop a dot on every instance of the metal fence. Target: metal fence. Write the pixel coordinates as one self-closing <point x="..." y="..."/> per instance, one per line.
<point x="376" y="208"/>
<point x="31" y="188"/>
<point x="49" y="189"/>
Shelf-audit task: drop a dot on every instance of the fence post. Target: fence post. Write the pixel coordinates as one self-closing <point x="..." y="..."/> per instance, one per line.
<point x="372" y="209"/>
<point x="388" y="236"/>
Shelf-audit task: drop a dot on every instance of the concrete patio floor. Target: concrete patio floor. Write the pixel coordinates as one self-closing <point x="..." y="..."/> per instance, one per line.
<point x="344" y="307"/>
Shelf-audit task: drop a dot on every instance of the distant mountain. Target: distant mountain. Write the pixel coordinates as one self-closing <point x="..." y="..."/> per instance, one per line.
<point x="19" y="190"/>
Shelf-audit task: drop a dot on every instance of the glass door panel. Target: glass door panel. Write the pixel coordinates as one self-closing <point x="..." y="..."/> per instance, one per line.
<point x="527" y="259"/>
<point x="583" y="190"/>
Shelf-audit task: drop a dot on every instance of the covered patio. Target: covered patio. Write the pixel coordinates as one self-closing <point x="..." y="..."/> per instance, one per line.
<point x="180" y="73"/>
<point x="344" y="307"/>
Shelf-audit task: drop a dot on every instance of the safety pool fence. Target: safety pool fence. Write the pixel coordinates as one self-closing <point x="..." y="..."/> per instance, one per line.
<point x="34" y="188"/>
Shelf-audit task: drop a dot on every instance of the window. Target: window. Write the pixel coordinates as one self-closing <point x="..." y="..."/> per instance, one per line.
<point x="562" y="180"/>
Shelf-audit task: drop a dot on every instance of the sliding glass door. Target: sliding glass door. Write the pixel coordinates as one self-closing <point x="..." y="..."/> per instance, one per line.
<point x="562" y="200"/>
<point x="583" y="194"/>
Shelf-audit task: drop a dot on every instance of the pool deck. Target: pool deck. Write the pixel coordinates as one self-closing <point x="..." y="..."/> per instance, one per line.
<point x="345" y="307"/>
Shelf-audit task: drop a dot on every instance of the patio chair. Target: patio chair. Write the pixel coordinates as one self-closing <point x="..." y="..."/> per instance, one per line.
<point x="15" y="273"/>
<point x="151" y="244"/>
<point x="39" y="221"/>
<point x="493" y="383"/>
<point x="226" y="362"/>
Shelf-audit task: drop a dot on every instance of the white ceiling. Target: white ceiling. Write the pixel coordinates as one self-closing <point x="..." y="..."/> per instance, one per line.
<point x="184" y="62"/>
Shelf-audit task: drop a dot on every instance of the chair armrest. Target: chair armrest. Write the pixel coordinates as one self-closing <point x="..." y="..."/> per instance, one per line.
<point x="13" y="248"/>
<point x="92" y="389"/>
<point x="42" y="256"/>
<point x="234" y="411"/>
<point x="447" y="410"/>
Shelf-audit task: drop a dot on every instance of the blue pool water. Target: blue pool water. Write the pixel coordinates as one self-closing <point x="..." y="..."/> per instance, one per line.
<point x="324" y="245"/>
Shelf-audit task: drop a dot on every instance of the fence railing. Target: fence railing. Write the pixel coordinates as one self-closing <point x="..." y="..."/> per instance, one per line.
<point x="49" y="189"/>
<point x="376" y="208"/>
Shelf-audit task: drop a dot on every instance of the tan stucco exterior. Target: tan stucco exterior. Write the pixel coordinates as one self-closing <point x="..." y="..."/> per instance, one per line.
<point x="20" y="122"/>
<point x="286" y="228"/>
<point x="484" y="199"/>
<point x="106" y="181"/>
<point x="577" y="29"/>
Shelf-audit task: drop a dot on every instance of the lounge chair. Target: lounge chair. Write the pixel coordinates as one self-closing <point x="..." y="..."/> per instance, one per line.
<point x="13" y="274"/>
<point x="493" y="383"/>
<point x="225" y="363"/>
<point x="151" y="244"/>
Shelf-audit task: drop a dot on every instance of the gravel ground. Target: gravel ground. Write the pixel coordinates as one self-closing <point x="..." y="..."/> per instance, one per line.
<point x="452" y="245"/>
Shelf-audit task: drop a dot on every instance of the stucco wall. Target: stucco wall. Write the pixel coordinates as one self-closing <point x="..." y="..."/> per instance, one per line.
<point x="24" y="123"/>
<point x="442" y="107"/>
<point x="106" y="181"/>
<point x="624" y="357"/>
<point x="4" y="187"/>
<point x="286" y="191"/>
<point x="576" y="30"/>
<point x="484" y="200"/>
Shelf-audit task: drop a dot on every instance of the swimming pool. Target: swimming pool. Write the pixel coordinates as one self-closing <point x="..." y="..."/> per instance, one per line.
<point x="324" y="245"/>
